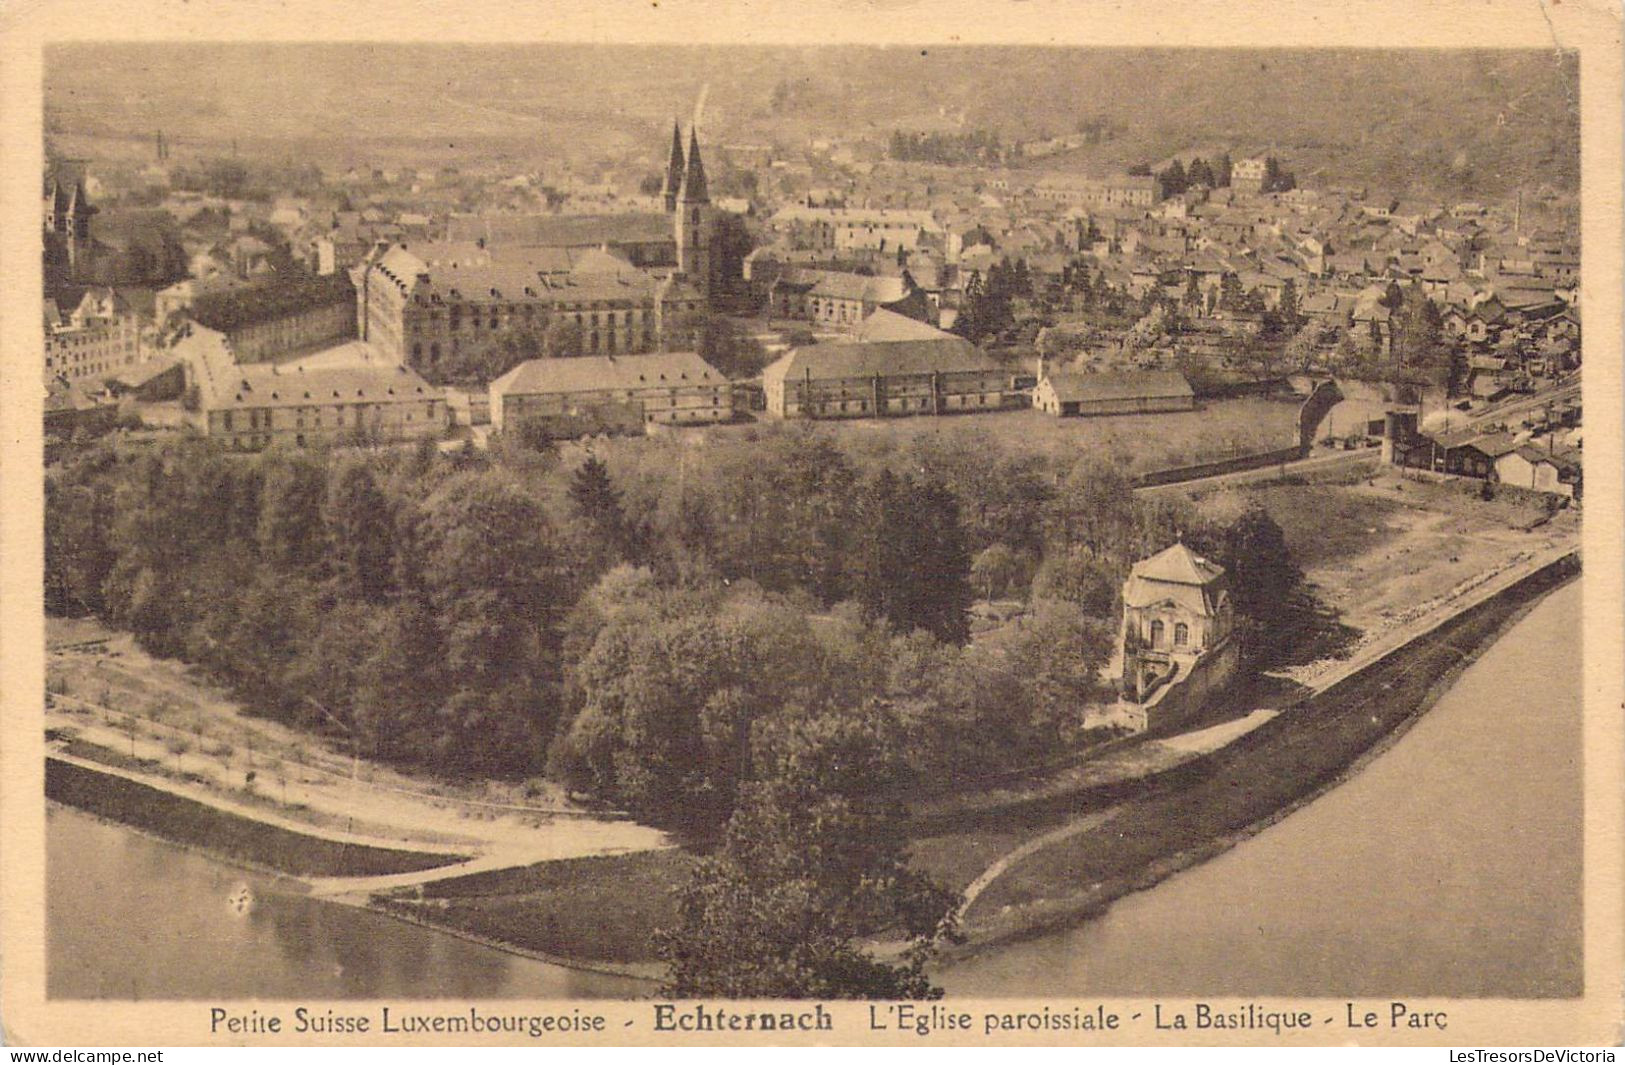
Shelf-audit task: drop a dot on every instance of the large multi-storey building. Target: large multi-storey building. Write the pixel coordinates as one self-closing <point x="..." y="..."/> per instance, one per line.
<point x="98" y="338"/>
<point x="421" y="313"/>
<point x="626" y="280"/>
<point x="249" y="407"/>
<point x="1247" y="175"/>
<point x="855" y="228"/>
<point x="1124" y="190"/>
<point x="612" y="392"/>
<point x="941" y="375"/>
<point x="280" y="317"/>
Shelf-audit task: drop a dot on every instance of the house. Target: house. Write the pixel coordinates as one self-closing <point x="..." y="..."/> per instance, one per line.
<point x="1176" y="609"/>
<point x="1247" y="175"/>
<point x="1465" y="452"/>
<point x="70" y="409"/>
<point x="1540" y="470"/>
<point x="623" y="393"/>
<point x="937" y="375"/>
<point x="1134" y="392"/>
<point x="844" y="299"/>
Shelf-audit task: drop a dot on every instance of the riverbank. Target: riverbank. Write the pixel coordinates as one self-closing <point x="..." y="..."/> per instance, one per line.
<point x="242" y="840"/>
<point x="596" y="913"/>
<point x="1239" y="791"/>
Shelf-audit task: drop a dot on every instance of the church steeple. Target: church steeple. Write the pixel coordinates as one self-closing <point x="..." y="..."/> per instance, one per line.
<point x="694" y="173"/>
<point x="674" y="169"/>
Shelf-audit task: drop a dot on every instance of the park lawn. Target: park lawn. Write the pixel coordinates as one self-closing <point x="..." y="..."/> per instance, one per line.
<point x="955" y="859"/>
<point x="1377" y="548"/>
<point x="603" y="909"/>
<point x="1133" y="443"/>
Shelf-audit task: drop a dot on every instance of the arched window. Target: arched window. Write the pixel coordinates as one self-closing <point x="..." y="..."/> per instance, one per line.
<point x="1182" y="634"/>
<point x="1156" y="634"/>
<point x="434" y="354"/>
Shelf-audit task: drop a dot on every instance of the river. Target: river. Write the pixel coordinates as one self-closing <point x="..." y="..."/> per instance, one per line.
<point x="134" y="918"/>
<point x="1449" y="866"/>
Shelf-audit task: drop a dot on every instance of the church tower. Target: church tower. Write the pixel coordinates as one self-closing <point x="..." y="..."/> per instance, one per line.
<point x="673" y="182"/>
<point x="693" y="220"/>
<point x="67" y="224"/>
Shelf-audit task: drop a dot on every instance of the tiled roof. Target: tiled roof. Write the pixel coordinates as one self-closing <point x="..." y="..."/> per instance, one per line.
<point x="265" y="385"/>
<point x="1178" y="564"/>
<point x="614" y="372"/>
<point x="844" y="286"/>
<point x="574" y="231"/>
<point x="947" y="354"/>
<point x="1142" y="384"/>
<point x="889" y="325"/>
<point x="1179" y="574"/>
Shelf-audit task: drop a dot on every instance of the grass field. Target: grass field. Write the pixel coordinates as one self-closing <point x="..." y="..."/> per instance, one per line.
<point x="594" y="909"/>
<point x="1376" y="548"/>
<point x="1133" y="443"/>
<point x="184" y="821"/>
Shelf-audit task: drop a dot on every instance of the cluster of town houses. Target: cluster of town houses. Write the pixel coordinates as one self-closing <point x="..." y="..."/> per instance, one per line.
<point x="854" y="293"/>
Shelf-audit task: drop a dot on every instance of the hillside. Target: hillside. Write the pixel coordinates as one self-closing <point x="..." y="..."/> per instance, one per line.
<point x="1455" y="122"/>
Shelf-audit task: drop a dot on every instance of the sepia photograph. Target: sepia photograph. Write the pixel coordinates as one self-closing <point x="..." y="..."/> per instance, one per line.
<point x="666" y="524"/>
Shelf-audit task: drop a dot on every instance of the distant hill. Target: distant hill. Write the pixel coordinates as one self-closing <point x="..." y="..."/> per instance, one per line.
<point x="1453" y="122"/>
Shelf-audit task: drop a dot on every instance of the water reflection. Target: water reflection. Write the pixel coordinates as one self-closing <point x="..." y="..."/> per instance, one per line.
<point x="133" y="918"/>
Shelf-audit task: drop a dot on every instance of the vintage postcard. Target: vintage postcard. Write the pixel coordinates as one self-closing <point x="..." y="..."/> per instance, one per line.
<point x="859" y="522"/>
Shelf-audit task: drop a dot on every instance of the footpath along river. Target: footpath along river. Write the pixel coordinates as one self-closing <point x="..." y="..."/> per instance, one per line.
<point x="1450" y="866"/>
<point x="130" y="917"/>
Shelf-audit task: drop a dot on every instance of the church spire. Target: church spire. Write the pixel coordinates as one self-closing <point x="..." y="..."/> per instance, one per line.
<point x="674" y="169"/>
<point x="694" y="174"/>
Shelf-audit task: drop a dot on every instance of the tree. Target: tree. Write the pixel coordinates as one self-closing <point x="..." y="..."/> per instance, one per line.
<point x="724" y="346"/>
<point x="361" y="527"/>
<point x="1056" y="659"/>
<point x="78" y="556"/>
<point x="490" y="580"/>
<point x="599" y="504"/>
<point x="1291" y="318"/>
<point x="994" y="570"/>
<point x="562" y="339"/>
<point x="1302" y="349"/>
<point x="1173" y="180"/>
<point x="1199" y="174"/>
<point x="813" y="860"/>
<point x="290" y="530"/>
<point x="913" y="562"/>
<point x="1263" y="576"/>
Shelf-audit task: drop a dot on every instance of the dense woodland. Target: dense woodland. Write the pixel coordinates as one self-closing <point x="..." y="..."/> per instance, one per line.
<point x="642" y="624"/>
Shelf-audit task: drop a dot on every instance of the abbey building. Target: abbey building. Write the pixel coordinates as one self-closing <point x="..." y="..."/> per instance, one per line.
<point x="626" y="282"/>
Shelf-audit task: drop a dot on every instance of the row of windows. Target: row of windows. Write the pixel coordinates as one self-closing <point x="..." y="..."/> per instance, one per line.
<point x="1182" y="634"/>
<point x="263" y="419"/>
<point x="454" y="319"/>
<point x="861" y="406"/>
